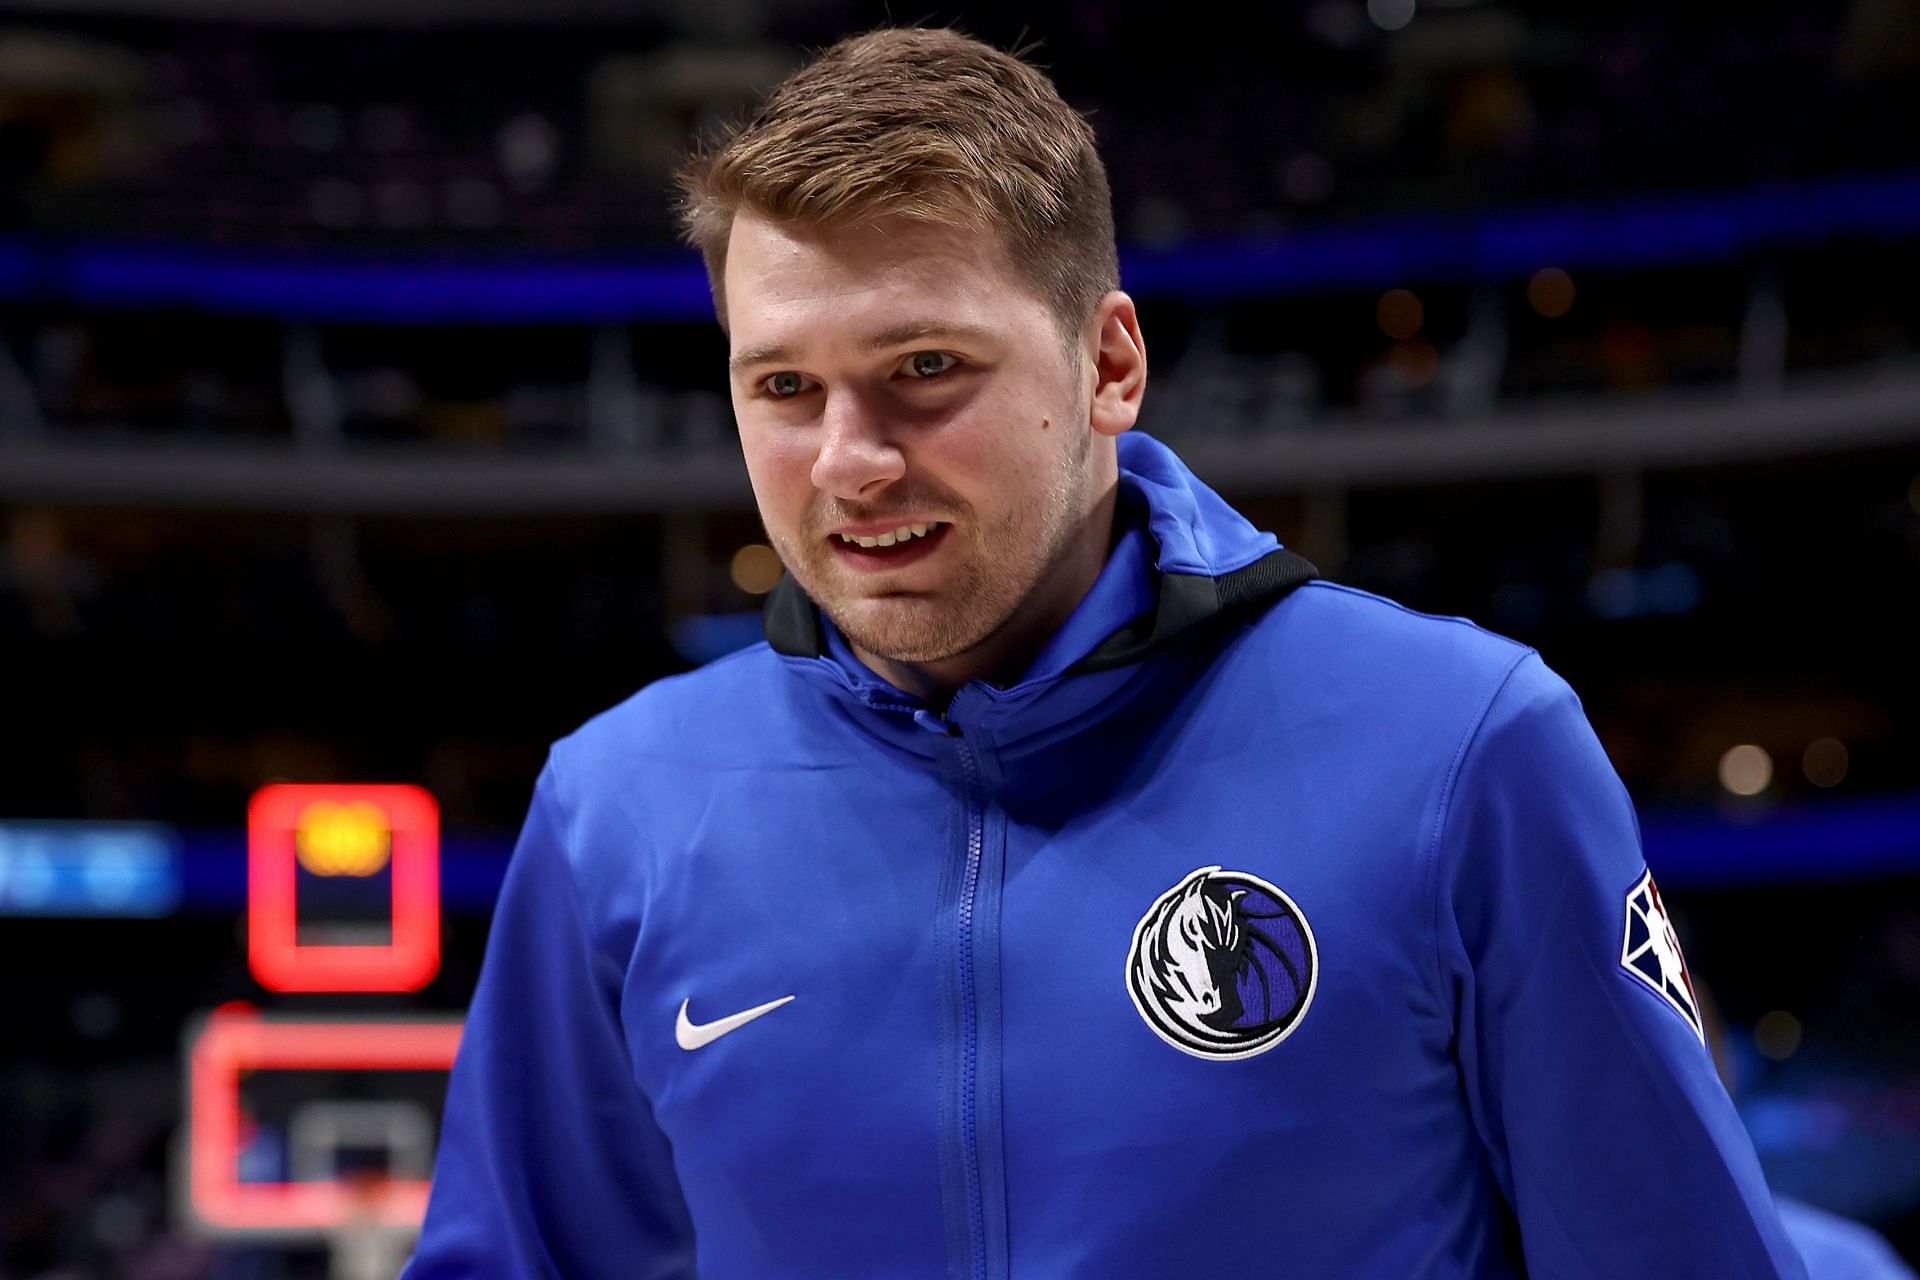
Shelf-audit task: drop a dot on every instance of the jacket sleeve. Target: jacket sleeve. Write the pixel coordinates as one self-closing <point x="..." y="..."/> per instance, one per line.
<point x="550" y="1163"/>
<point x="1608" y="1130"/>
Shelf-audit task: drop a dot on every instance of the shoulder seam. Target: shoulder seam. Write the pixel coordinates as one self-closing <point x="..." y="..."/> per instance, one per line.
<point x="1445" y="808"/>
<point x="568" y="846"/>
<point x="1451" y="619"/>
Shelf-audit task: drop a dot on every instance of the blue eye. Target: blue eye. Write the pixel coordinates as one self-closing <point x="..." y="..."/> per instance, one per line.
<point x="930" y="364"/>
<point x="785" y="384"/>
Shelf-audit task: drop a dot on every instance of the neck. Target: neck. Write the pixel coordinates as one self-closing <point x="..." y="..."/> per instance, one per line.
<point x="1004" y="655"/>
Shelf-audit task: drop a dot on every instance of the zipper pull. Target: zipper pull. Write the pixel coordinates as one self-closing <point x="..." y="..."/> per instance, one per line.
<point x="933" y="723"/>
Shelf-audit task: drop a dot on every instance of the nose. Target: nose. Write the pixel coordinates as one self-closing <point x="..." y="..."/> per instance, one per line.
<point x="856" y="458"/>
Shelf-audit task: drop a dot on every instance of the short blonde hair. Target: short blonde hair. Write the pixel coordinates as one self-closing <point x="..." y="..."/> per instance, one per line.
<point x="927" y="124"/>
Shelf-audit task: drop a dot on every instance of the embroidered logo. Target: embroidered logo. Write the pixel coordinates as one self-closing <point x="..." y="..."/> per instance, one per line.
<point x="1223" y="965"/>
<point x="690" y="1035"/>
<point x="1651" y="952"/>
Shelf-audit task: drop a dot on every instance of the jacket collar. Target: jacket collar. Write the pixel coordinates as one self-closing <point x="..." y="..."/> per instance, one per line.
<point x="1185" y="565"/>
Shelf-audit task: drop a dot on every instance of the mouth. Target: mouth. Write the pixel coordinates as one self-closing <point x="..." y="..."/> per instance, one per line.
<point x="871" y="550"/>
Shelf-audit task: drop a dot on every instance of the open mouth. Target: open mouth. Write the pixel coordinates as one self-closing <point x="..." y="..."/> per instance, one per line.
<point x="891" y="549"/>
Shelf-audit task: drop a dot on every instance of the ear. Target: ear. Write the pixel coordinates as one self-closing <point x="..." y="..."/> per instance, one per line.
<point x="1119" y="364"/>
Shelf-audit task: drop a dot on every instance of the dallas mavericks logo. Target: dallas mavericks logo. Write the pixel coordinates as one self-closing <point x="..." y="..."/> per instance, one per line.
<point x="1223" y="965"/>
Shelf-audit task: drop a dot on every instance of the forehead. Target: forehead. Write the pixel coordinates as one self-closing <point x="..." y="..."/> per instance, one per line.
<point x="789" y="284"/>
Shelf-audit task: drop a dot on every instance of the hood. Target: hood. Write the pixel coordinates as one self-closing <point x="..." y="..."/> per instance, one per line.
<point x="1185" y="565"/>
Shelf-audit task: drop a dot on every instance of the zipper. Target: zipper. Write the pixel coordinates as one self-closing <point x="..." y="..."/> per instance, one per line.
<point x="969" y="1010"/>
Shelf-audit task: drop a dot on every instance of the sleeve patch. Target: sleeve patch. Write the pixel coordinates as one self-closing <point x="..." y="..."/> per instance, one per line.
<point x="1651" y="953"/>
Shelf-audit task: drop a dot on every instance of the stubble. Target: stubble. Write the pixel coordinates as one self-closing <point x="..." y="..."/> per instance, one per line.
<point x="1002" y="566"/>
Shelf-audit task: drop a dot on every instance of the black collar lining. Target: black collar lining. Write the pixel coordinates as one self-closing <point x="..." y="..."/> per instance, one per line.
<point x="1192" y="603"/>
<point x="1189" y="603"/>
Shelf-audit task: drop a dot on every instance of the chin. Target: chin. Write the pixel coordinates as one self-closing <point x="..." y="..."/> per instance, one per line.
<point x="910" y="630"/>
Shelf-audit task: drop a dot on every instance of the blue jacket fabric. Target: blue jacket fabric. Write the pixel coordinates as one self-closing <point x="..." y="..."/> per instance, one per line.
<point x="1837" y="1248"/>
<point x="1311" y="938"/>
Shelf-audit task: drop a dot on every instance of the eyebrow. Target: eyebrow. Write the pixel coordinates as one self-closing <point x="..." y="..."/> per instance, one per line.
<point x="891" y="336"/>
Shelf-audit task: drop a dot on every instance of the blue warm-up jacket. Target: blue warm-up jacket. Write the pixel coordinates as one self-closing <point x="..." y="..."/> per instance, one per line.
<point x="1261" y="929"/>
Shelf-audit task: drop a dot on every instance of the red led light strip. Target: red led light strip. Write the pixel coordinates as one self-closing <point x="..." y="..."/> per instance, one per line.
<point x="274" y="952"/>
<point x="231" y="1043"/>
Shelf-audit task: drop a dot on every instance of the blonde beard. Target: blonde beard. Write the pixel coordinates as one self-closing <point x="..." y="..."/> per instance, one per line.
<point x="985" y="594"/>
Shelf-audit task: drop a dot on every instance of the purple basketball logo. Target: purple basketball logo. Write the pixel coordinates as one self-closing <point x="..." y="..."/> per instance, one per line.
<point x="1223" y="965"/>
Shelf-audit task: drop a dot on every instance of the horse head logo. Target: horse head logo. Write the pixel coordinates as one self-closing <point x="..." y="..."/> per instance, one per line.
<point x="1195" y="953"/>
<point x="1222" y="965"/>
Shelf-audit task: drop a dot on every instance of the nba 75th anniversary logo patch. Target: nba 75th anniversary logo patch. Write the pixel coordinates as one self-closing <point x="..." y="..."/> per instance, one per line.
<point x="1651" y="952"/>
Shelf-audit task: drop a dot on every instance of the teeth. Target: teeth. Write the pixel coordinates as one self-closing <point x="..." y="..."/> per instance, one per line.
<point x="899" y="535"/>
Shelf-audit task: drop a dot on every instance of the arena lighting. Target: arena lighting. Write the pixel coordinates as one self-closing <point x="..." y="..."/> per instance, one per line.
<point x="475" y="288"/>
<point x="1825" y="762"/>
<point x="330" y="828"/>
<point x="233" y="1043"/>
<point x="1390" y="15"/>
<point x="755" y="568"/>
<point x="1550" y="292"/>
<point x="54" y="867"/>
<point x="1399" y="313"/>
<point x="1746" y="770"/>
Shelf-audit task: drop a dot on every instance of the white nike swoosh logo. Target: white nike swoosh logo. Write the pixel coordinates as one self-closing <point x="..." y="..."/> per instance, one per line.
<point x="689" y="1036"/>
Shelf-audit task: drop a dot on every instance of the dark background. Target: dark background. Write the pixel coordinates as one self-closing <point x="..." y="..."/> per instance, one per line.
<point x="360" y="420"/>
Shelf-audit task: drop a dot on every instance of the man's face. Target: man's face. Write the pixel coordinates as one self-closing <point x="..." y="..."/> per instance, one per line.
<point x="899" y="383"/>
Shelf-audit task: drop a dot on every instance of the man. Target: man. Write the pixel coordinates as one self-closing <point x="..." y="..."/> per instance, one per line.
<point x="1064" y="890"/>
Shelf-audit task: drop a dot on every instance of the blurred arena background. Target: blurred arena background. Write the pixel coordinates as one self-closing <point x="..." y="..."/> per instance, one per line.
<point x="360" y="421"/>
